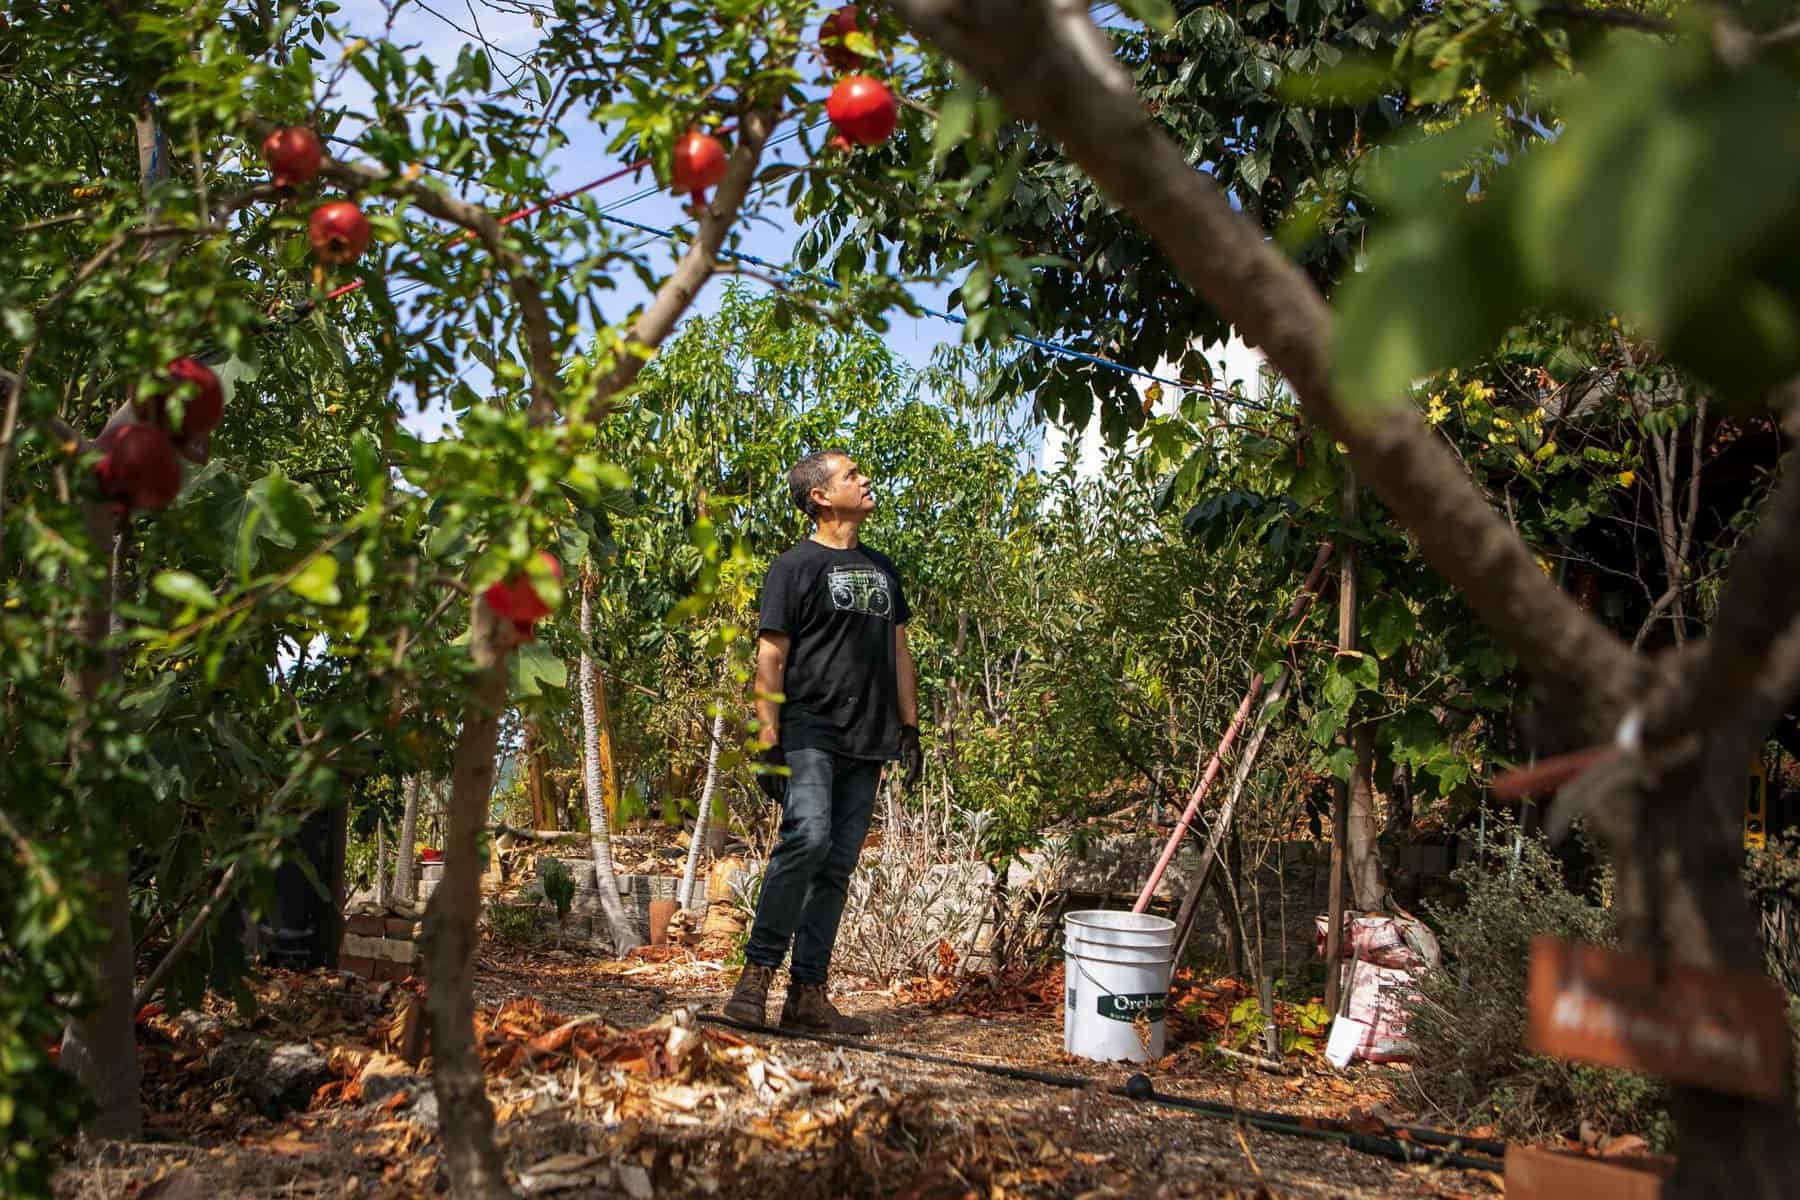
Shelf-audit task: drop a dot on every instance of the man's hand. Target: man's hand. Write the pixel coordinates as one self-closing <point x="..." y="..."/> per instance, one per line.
<point x="774" y="786"/>
<point x="912" y="758"/>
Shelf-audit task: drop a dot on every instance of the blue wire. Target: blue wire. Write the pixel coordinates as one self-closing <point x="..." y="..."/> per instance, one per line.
<point x="1048" y="346"/>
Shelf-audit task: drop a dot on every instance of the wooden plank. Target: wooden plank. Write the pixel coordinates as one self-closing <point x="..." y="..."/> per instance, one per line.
<point x="1710" y="1029"/>
<point x="1535" y="1174"/>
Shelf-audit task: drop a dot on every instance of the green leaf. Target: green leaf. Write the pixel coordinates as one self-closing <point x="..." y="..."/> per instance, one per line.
<point x="534" y="668"/>
<point x="1437" y="292"/>
<point x="1388" y="624"/>
<point x="1253" y="169"/>
<point x="1698" y="161"/>
<point x="956" y="120"/>
<point x="1157" y="14"/>
<point x="184" y="588"/>
<point x="318" y="582"/>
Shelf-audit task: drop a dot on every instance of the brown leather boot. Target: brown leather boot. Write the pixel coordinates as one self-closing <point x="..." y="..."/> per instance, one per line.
<point x="749" y="1001"/>
<point x="809" y="1008"/>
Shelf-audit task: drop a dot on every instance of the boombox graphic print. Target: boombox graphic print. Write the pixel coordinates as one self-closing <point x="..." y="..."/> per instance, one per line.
<point x="861" y="589"/>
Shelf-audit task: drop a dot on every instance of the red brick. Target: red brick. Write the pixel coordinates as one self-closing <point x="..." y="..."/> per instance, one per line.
<point x="402" y="927"/>
<point x="364" y="967"/>
<point x="365" y="925"/>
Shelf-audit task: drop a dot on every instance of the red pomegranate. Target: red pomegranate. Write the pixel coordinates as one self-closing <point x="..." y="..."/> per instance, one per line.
<point x="862" y="109"/>
<point x="832" y="33"/>
<point x="514" y="599"/>
<point x="699" y="163"/>
<point x="202" y="399"/>
<point x="293" y="154"/>
<point x="340" y="232"/>
<point x="138" y="467"/>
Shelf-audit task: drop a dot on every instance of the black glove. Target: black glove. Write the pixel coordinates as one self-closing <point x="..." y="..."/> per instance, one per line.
<point x="774" y="786"/>
<point x="912" y="758"/>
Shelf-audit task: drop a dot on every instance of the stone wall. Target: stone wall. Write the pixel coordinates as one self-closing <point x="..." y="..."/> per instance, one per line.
<point x="585" y="923"/>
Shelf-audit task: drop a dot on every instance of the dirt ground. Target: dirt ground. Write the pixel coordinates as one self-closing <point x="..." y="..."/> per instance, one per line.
<point x="605" y="1084"/>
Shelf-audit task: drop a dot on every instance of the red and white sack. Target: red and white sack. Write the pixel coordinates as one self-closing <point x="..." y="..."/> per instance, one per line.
<point x="1376" y="999"/>
<point x="1404" y="943"/>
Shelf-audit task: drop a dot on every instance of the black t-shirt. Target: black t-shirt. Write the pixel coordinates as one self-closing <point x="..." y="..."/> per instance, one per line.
<point x="839" y="609"/>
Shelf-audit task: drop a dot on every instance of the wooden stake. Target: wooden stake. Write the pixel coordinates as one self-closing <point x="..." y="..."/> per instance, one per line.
<point x="1340" y="795"/>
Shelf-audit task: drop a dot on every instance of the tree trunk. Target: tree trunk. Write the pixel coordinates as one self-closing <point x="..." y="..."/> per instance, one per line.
<point x="465" y="1118"/>
<point x="596" y="763"/>
<point x="381" y="888"/>
<point x="541" y="815"/>
<point x="406" y="854"/>
<point x="704" y="813"/>
<point x="1362" y="853"/>
<point x="99" y="1047"/>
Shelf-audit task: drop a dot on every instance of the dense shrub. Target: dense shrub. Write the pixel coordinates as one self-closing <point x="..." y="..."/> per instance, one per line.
<point x="1469" y="1018"/>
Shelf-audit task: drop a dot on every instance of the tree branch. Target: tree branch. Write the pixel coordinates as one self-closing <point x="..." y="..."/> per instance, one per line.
<point x="1050" y="65"/>
<point x="1762" y="594"/>
<point x="672" y="299"/>
<point x="482" y="224"/>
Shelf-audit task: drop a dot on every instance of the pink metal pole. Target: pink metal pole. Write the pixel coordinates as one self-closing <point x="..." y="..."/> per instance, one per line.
<point x="1308" y="590"/>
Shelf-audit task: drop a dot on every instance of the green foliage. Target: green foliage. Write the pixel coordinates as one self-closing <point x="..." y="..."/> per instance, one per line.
<point x="1694" y="154"/>
<point x="1245" y="90"/>
<point x="559" y="884"/>
<point x="514" y="924"/>
<point x="1468" y="1020"/>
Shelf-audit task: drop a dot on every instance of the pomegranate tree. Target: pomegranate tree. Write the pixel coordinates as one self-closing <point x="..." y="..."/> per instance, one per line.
<point x="862" y="109"/>
<point x="293" y="154"/>
<point x="340" y="232"/>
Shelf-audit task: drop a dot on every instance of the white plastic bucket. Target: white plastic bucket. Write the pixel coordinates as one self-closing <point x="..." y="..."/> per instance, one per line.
<point x="1116" y="972"/>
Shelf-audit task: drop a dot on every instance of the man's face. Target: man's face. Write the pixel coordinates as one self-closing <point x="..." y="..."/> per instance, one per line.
<point x="847" y="490"/>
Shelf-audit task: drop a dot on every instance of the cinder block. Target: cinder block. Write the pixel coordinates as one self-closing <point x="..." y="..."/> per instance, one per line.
<point x="392" y="949"/>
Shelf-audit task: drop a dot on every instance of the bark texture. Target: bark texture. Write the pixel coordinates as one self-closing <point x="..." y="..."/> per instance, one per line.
<point x="703" y="815"/>
<point x="406" y="854"/>
<point x="471" y="1159"/>
<point x="99" y="1047"/>
<point x="593" y="719"/>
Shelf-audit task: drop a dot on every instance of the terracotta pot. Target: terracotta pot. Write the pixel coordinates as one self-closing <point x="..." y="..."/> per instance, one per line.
<point x="661" y="911"/>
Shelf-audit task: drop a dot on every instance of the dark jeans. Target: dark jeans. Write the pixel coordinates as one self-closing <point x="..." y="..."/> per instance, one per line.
<point x="823" y="822"/>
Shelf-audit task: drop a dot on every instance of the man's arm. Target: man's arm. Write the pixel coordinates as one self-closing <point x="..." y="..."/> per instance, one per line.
<point x="771" y="673"/>
<point x="908" y="681"/>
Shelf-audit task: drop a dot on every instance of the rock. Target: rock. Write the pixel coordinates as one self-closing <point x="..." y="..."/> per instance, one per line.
<point x="634" y="1180"/>
<point x="200" y="1026"/>
<point x="276" y="1079"/>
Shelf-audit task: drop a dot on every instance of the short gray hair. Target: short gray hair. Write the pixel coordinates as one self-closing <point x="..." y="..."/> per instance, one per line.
<point x="811" y="472"/>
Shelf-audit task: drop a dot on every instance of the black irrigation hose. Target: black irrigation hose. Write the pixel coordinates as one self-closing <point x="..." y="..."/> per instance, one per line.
<point x="1402" y="1150"/>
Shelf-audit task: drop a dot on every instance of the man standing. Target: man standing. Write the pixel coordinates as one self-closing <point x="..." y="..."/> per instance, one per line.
<point x="832" y="642"/>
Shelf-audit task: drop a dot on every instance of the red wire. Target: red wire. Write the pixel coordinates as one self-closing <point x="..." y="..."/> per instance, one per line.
<point x="520" y="214"/>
